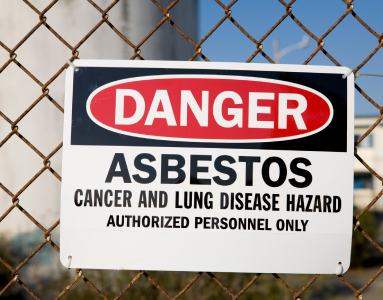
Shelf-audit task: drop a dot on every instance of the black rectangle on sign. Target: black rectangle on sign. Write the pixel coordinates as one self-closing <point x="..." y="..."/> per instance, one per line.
<point x="85" y="131"/>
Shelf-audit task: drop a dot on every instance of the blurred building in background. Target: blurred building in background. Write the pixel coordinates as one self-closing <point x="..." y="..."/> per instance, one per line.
<point x="367" y="186"/>
<point x="43" y="55"/>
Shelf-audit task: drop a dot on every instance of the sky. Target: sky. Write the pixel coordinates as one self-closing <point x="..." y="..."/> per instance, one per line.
<point x="349" y="43"/>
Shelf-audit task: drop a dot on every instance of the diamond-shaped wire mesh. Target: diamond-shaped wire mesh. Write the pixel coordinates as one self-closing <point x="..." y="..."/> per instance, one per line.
<point x="35" y="281"/>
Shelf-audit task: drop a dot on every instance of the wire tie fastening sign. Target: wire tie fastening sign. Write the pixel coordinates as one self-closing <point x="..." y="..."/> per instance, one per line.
<point x="348" y="73"/>
<point x="69" y="261"/>
<point x="72" y="65"/>
<point x="339" y="269"/>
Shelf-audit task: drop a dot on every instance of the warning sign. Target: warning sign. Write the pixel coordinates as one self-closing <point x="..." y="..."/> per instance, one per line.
<point x="190" y="166"/>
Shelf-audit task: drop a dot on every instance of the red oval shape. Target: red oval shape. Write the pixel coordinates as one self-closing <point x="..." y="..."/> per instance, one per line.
<point x="209" y="108"/>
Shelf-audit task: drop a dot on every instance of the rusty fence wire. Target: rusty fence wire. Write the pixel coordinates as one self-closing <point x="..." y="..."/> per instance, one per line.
<point x="42" y="19"/>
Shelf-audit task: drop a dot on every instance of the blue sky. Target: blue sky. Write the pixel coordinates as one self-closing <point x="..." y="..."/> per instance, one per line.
<point x="349" y="43"/>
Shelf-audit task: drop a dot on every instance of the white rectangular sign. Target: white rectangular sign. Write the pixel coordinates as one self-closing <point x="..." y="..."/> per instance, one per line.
<point x="191" y="166"/>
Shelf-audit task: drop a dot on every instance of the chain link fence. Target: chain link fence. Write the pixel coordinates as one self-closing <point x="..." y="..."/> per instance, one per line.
<point x="105" y="283"/>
